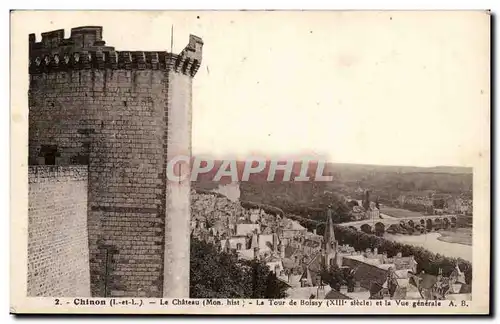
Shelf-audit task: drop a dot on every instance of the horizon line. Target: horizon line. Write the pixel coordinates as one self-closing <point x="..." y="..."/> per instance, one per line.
<point x="296" y="159"/>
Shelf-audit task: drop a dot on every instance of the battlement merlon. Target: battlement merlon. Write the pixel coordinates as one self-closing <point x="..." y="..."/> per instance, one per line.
<point x="80" y="38"/>
<point x="85" y="49"/>
<point x="194" y="48"/>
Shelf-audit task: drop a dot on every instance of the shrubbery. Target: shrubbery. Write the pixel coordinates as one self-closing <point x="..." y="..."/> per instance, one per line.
<point x="216" y="274"/>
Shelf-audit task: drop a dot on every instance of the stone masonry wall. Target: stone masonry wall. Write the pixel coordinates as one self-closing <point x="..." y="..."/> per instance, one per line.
<point x="93" y="105"/>
<point x="178" y="192"/>
<point x="58" y="253"/>
<point x="127" y="186"/>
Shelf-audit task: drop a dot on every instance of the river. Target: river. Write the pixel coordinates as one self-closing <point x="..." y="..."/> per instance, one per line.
<point x="430" y="242"/>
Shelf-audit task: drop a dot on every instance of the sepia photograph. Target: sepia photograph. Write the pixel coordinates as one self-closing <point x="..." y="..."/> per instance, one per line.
<point x="231" y="160"/>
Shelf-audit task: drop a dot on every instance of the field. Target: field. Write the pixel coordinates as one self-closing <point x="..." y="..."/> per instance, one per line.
<point x="398" y="212"/>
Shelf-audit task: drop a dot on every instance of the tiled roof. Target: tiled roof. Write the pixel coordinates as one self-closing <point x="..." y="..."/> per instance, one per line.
<point x="333" y="294"/>
<point x="290" y="251"/>
<point x="366" y="273"/>
<point x="288" y="263"/>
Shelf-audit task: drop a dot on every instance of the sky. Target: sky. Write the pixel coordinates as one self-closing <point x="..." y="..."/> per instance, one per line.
<point x="392" y="88"/>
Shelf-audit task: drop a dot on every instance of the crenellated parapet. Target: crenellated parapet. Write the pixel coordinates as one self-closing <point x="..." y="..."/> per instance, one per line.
<point x="85" y="49"/>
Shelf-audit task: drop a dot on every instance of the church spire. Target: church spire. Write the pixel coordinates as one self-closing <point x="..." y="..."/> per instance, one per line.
<point x="366" y="200"/>
<point x="330" y="243"/>
<point x="329" y="236"/>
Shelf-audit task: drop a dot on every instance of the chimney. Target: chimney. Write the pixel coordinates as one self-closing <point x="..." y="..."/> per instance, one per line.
<point x="343" y="289"/>
<point x="401" y="294"/>
<point x="456" y="287"/>
<point x="256" y="253"/>
<point x="254" y="241"/>
<point x="357" y="286"/>
<point x="282" y="250"/>
<point x="227" y="246"/>
<point x="275" y="242"/>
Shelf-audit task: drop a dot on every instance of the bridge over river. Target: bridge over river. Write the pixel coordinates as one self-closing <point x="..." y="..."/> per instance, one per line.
<point x="403" y="225"/>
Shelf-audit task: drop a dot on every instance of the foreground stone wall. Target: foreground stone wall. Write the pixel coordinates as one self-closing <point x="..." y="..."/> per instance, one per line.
<point x="58" y="252"/>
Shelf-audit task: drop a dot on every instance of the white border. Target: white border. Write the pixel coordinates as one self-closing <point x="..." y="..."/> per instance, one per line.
<point x="127" y="4"/>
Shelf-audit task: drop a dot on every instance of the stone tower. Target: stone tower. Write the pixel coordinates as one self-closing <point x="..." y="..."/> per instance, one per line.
<point x="125" y="115"/>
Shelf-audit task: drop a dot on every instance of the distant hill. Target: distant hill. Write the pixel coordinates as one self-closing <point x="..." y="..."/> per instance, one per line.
<point x="310" y="198"/>
<point x="343" y="172"/>
<point x="397" y="169"/>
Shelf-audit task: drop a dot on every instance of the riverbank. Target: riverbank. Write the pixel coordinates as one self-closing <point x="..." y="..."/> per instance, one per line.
<point x="429" y="253"/>
<point x="458" y="236"/>
<point x="432" y="242"/>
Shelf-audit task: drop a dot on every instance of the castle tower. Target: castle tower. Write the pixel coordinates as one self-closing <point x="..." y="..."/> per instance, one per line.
<point x="124" y="114"/>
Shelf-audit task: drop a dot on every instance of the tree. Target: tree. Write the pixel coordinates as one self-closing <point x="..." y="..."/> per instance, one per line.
<point x="352" y="203"/>
<point x="274" y="287"/>
<point x="215" y="274"/>
<point x="335" y="277"/>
